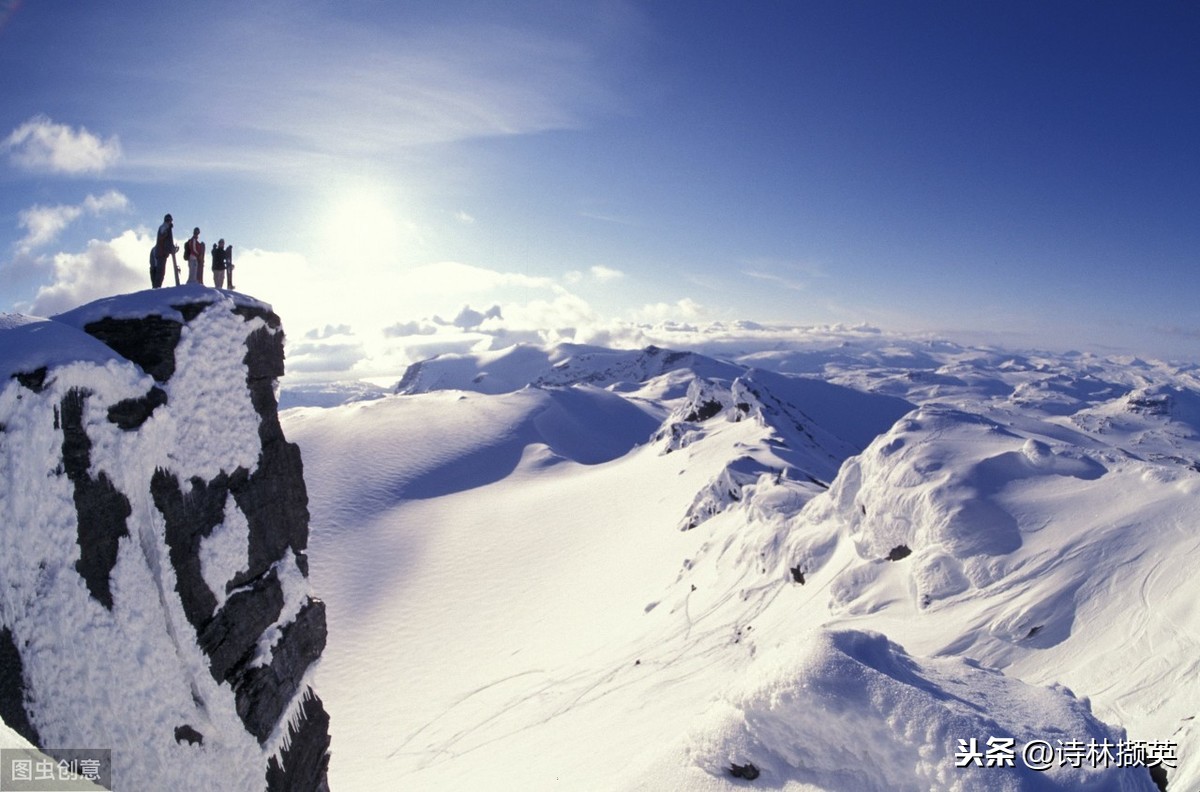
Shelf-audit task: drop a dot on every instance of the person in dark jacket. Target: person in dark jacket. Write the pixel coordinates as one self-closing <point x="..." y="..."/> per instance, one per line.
<point x="164" y="247"/>
<point x="218" y="264"/>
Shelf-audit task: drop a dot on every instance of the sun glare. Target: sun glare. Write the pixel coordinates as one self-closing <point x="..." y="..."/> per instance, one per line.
<point x="361" y="227"/>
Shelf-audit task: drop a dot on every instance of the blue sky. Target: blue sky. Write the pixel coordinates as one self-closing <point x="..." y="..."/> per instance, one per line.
<point x="1021" y="172"/>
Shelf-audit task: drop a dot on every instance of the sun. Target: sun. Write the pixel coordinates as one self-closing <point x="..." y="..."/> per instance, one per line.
<point x="362" y="226"/>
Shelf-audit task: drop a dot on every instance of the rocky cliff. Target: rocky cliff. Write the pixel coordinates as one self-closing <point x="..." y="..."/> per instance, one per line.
<point x="154" y="594"/>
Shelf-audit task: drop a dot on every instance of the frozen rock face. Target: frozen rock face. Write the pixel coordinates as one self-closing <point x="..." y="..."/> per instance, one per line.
<point x="154" y="593"/>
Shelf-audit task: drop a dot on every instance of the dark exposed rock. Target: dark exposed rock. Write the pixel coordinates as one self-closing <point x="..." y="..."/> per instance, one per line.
<point x="189" y="519"/>
<point x="798" y="575"/>
<point x="149" y="341"/>
<point x="747" y="771"/>
<point x="34" y="380"/>
<point x="12" y="688"/>
<point x="101" y="508"/>
<point x="1158" y="774"/>
<point x="191" y="310"/>
<point x="703" y="411"/>
<point x="186" y="732"/>
<point x="275" y="502"/>
<point x="303" y="765"/>
<point x="898" y="552"/>
<point x="273" y="498"/>
<point x="132" y="413"/>
<point x="230" y="638"/>
<point x="248" y="312"/>
<point x="264" y="358"/>
<point x="266" y="690"/>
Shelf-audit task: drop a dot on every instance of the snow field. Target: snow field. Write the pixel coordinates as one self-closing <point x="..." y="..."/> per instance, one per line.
<point x="540" y="623"/>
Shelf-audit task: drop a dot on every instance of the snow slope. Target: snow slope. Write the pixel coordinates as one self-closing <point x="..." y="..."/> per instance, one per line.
<point x="632" y="575"/>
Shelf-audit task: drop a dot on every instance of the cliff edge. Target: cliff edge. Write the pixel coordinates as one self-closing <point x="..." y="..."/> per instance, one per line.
<point x="154" y="594"/>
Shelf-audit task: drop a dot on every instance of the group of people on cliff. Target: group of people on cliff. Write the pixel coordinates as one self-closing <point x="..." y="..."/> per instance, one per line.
<point x="193" y="253"/>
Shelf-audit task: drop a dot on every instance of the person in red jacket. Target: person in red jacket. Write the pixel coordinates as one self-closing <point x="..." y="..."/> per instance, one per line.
<point x="193" y="251"/>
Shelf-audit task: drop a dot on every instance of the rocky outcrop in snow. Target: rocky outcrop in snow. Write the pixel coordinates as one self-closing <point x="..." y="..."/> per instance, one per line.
<point x="153" y="545"/>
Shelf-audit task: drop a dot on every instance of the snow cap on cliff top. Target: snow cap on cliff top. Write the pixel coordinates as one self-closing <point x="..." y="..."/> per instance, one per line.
<point x="28" y="343"/>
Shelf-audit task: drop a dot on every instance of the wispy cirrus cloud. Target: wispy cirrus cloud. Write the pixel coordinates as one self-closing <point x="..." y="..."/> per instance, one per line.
<point x="40" y="144"/>
<point x="793" y="275"/>
<point x="384" y="86"/>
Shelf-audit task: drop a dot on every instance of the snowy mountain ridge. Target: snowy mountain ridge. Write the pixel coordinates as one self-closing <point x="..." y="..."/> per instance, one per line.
<point x="930" y="546"/>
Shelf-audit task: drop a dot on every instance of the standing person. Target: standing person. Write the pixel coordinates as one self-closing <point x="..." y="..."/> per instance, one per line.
<point x="193" y="250"/>
<point x="229" y="264"/>
<point x="218" y="264"/>
<point x="164" y="246"/>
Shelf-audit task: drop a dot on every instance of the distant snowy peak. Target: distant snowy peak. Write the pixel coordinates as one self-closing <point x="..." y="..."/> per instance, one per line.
<point x="610" y="367"/>
<point x="154" y="591"/>
<point x="523" y="365"/>
<point x="783" y="442"/>
<point x="798" y="430"/>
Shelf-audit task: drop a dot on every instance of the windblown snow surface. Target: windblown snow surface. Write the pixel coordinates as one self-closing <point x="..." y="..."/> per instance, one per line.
<point x="835" y="566"/>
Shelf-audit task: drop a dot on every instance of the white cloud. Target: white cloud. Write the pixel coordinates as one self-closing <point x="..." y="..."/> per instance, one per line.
<point x="411" y="328"/>
<point x="686" y="308"/>
<point x="329" y="331"/>
<point x="43" y="224"/>
<point x="103" y="269"/>
<point x="604" y="274"/>
<point x="42" y="145"/>
<point x="452" y="277"/>
<point x="565" y="310"/>
<point x="325" y="358"/>
<point x="599" y="273"/>
<point x="111" y="201"/>
<point x="469" y="318"/>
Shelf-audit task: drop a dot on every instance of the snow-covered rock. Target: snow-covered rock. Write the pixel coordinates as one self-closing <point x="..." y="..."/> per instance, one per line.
<point x="153" y="545"/>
